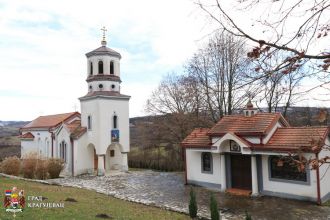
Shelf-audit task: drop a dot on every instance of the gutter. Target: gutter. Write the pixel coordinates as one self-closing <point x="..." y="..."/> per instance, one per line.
<point x="318" y="186"/>
<point x="72" y="155"/>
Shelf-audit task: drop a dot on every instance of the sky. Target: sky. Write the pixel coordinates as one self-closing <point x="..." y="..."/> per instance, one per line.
<point x="43" y="44"/>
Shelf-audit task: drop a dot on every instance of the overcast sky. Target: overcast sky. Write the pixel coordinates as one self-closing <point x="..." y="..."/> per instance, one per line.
<point x="43" y="46"/>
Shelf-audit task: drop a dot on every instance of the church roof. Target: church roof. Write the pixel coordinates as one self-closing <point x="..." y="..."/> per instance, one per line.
<point x="105" y="94"/>
<point x="294" y="138"/>
<point x="258" y="124"/>
<point x="197" y="138"/>
<point x="103" y="50"/>
<point x="49" y="121"/>
<point x="27" y="135"/>
<point x="76" y="129"/>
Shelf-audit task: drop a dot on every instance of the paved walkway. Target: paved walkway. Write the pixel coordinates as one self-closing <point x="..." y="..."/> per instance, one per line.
<point x="167" y="190"/>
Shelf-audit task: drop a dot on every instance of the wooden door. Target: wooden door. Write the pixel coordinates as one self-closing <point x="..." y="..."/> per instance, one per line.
<point x="241" y="172"/>
<point x="96" y="160"/>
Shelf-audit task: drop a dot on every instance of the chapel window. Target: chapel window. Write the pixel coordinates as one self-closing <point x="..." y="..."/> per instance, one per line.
<point x="63" y="151"/>
<point x="91" y="68"/>
<point x="89" y="122"/>
<point x="100" y="67"/>
<point x="115" y="118"/>
<point x="207" y="161"/>
<point x="112" y="68"/>
<point x="285" y="168"/>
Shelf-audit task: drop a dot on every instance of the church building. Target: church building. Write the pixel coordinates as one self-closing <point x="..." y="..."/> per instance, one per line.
<point x="259" y="153"/>
<point x="96" y="140"/>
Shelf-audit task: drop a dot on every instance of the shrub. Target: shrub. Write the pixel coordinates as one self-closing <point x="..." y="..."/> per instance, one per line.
<point x="54" y="167"/>
<point x="192" y="204"/>
<point x="214" y="209"/>
<point x="11" y="165"/>
<point x="247" y="216"/>
<point x="29" y="165"/>
<point x="41" y="170"/>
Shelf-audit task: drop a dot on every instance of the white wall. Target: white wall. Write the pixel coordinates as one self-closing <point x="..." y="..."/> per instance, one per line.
<point x="271" y="132"/>
<point x="102" y="111"/>
<point x="194" y="168"/>
<point x="325" y="172"/>
<point x="36" y="146"/>
<point x="285" y="187"/>
<point x="106" y="64"/>
<point x="83" y="156"/>
<point x="64" y="135"/>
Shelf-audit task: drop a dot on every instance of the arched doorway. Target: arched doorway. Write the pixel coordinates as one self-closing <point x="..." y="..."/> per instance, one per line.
<point x="114" y="160"/>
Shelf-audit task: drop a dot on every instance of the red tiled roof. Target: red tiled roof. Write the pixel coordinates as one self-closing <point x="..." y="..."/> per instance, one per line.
<point x="197" y="138"/>
<point x="295" y="138"/>
<point x="27" y="135"/>
<point x="257" y="124"/>
<point x="76" y="129"/>
<point x="49" y="121"/>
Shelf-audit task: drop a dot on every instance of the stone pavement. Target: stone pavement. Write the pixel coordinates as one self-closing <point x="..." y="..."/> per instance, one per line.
<point x="167" y="190"/>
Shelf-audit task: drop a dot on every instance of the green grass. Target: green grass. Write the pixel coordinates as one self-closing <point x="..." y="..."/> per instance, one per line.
<point x="88" y="205"/>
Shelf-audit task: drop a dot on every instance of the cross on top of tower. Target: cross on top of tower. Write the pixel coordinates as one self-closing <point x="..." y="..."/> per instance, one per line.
<point x="103" y="42"/>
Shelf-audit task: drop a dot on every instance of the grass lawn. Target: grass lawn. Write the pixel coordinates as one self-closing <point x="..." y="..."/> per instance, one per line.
<point x="88" y="205"/>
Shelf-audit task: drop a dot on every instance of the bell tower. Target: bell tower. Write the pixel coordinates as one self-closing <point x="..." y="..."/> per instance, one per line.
<point x="104" y="110"/>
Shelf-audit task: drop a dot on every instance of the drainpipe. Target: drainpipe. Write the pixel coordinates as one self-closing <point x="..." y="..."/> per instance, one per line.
<point x="72" y="155"/>
<point x="52" y="137"/>
<point x="319" y="202"/>
<point x="185" y="164"/>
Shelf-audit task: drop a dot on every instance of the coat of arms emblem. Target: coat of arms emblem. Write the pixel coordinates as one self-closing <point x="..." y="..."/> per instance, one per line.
<point x="14" y="200"/>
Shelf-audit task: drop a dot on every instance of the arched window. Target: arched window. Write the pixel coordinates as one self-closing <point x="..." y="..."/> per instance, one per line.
<point x="207" y="162"/>
<point x="112" y="68"/>
<point x="115" y="123"/>
<point x="89" y="122"/>
<point x="91" y="68"/>
<point x="63" y="151"/>
<point x="100" y="67"/>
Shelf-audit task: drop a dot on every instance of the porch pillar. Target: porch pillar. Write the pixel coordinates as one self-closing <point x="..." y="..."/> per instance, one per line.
<point x="125" y="162"/>
<point x="255" y="190"/>
<point x="223" y="172"/>
<point x="100" y="165"/>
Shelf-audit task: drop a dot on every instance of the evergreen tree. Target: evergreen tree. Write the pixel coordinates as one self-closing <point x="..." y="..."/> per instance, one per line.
<point x="214" y="208"/>
<point x="192" y="204"/>
<point x="247" y="216"/>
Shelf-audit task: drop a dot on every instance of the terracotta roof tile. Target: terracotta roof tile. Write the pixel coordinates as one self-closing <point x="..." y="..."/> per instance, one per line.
<point x="76" y="129"/>
<point x="49" y="121"/>
<point x="27" y="135"/>
<point x="294" y="138"/>
<point x="197" y="138"/>
<point x="259" y="123"/>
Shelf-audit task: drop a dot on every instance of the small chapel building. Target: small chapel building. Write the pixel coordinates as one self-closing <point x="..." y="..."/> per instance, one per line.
<point x="254" y="152"/>
<point x="95" y="141"/>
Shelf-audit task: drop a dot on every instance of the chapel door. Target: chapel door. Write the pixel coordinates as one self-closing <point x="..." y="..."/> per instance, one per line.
<point x="241" y="172"/>
<point x="96" y="160"/>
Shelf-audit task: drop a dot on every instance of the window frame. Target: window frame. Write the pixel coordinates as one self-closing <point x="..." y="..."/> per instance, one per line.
<point x="89" y="122"/>
<point x="63" y="151"/>
<point x="112" y="68"/>
<point x="283" y="179"/>
<point x="203" y="163"/>
<point x="100" y="67"/>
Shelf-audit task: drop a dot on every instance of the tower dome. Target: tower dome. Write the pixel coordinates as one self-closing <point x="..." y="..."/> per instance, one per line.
<point x="103" y="69"/>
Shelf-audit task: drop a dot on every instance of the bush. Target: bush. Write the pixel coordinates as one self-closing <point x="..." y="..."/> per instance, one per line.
<point x="41" y="169"/>
<point x="11" y="165"/>
<point x="247" y="216"/>
<point x="192" y="204"/>
<point x="54" y="167"/>
<point x="29" y="165"/>
<point x="214" y="209"/>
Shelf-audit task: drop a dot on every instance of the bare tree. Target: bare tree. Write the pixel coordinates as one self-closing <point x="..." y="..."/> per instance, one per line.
<point x="219" y="69"/>
<point x="295" y="27"/>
